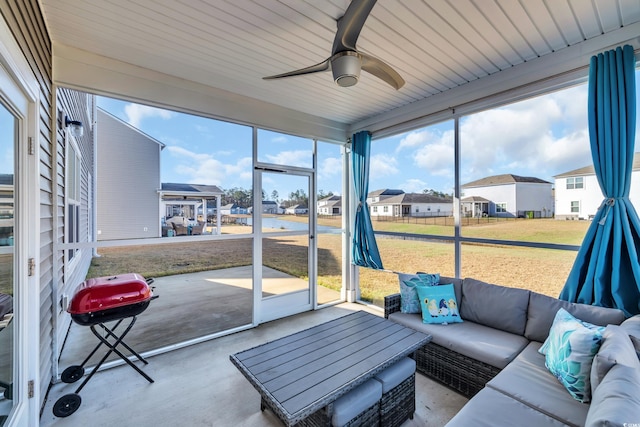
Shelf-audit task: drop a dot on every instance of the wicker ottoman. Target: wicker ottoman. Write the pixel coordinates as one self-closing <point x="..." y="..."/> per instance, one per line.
<point x="358" y="408"/>
<point x="398" y="401"/>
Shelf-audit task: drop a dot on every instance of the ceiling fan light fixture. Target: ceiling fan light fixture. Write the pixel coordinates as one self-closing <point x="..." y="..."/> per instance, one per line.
<point x="345" y="67"/>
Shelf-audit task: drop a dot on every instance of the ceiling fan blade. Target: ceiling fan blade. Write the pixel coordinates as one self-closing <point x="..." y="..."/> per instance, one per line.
<point x="350" y="25"/>
<point x="381" y="70"/>
<point x="322" y="66"/>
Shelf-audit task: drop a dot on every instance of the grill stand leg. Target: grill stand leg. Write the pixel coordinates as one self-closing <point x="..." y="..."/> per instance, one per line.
<point x="112" y="349"/>
<point x="111" y="333"/>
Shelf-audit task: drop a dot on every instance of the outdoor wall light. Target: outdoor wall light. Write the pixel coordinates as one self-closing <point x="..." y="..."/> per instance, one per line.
<point x="75" y="127"/>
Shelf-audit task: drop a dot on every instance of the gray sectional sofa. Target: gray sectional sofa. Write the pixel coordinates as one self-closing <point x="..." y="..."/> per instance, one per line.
<point x="492" y="357"/>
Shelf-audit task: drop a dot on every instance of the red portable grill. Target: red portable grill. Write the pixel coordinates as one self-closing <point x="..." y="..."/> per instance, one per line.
<point x="95" y="302"/>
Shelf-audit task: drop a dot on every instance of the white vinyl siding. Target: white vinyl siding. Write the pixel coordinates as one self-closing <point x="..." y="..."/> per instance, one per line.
<point x="128" y="203"/>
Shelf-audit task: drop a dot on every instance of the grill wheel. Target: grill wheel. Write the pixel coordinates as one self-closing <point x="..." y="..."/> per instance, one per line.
<point x="67" y="405"/>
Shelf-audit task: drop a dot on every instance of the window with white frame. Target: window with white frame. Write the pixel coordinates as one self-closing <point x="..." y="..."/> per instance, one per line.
<point x="575" y="183"/>
<point x="575" y="206"/>
<point x="501" y="207"/>
<point x="385" y="209"/>
<point x="375" y="209"/>
<point x="74" y="169"/>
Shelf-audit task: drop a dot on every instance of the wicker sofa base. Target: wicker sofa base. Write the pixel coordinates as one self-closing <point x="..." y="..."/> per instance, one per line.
<point x="464" y="374"/>
<point x="398" y="404"/>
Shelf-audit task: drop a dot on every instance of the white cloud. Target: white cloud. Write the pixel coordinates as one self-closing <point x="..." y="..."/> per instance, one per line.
<point x="542" y="137"/>
<point x="415" y="139"/>
<point x="382" y="165"/>
<point x="329" y="167"/>
<point x="436" y="158"/>
<point x="135" y="113"/>
<point x="301" y="158"/>
<point x="197" y="168"/>
<point x="414" y="185"/>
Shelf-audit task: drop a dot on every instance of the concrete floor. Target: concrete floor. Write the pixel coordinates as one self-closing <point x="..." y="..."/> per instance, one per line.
<point x="198" y="386"/>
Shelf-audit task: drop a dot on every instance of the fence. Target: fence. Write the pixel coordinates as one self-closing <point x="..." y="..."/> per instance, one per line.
<point x="444" y="220"/>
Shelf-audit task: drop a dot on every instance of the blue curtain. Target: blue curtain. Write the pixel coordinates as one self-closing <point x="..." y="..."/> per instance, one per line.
<point x="607" y="269"/>
<point x="364" y="249"/>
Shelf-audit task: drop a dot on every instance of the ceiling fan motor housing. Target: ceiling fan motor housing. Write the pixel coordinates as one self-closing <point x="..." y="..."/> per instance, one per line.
<point x="346" y="68"/>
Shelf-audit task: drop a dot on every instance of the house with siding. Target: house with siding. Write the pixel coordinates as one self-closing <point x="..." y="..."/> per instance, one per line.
<point x="331" y="205"/>
<point x="297" y="210"/>
<point x="190" y="204"/>
<point x="578" y="194"/>
<point x="409" y="205"/>
<point x="127" y="184"/>
<point x="508" y="195"/>
<point x="270" y="207"/>
<point x="55" y="178"/>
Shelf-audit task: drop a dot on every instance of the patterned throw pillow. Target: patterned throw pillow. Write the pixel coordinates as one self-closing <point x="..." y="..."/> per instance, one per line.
<point x="439" y="304"/>
<point x="569" y="352"/>
<point x="409" y="302"/>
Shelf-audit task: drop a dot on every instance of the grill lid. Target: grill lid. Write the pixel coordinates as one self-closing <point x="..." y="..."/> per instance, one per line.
<point x="103" y="293"/>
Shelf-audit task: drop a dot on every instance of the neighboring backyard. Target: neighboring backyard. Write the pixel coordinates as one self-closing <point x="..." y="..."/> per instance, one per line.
<point x="541" y="270"/>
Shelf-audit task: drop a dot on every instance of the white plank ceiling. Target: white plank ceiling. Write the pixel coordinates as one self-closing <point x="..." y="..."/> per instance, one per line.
<point x="436" y="45"/>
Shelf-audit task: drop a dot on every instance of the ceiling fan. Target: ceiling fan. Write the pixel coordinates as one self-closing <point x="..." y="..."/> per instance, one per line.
<point x="346" y="61"/>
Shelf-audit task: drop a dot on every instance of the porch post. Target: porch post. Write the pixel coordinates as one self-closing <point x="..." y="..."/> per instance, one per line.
<point x="218" y="215"/>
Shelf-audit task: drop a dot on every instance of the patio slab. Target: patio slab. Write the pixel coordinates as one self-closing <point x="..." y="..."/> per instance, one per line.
<point x="199" y="386"/>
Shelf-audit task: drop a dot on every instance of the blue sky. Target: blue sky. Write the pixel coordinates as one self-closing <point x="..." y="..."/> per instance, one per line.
<point x="541" y="137"/>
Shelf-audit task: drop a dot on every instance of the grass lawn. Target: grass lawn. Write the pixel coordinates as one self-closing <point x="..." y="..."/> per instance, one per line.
<point x="541" y="270"/>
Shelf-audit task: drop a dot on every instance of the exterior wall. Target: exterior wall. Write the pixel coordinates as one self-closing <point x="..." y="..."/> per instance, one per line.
<point x="379" y="210"/>
<point x="590" y="197"/>
<point x="56" y="278"/>
<point x="77" y="106"/>
<point x="329" y="210"/>
<point x="519" y="197"/>
<point x="431" y="209"/>
<point x="533" y="196"/>
<point x="497" y="194"/>
<point x="127" y="201"/>
<point x="26" y="23"/>
<point x="416" y="209"/>
<point x="27" y="26"/>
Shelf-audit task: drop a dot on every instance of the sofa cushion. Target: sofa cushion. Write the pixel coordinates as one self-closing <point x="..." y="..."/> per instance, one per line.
<point x="492" y="346"/>
<point x="409" y="301"/>
<point x="636" y="344"/>
<point x="439" y="304"/>
<point x="355" y="402"/>
<point x="616" y="401"/>
<point x="491" y="408"/>
<point x="542" y="310"/>
<point x="527" y="379"/>
<point x="457" y="285"/>
<point x="632" y="326"/>
<point x="496" y="306"/>
<point x="570" y="349"/>
<point x="616" y="348"/>
<point x="395" y="374"/>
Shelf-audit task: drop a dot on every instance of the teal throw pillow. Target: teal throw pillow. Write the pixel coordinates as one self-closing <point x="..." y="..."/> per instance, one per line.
<point x="569" y="351"/>
<point x="439" y="304"/>
<point x="409" y="302"/>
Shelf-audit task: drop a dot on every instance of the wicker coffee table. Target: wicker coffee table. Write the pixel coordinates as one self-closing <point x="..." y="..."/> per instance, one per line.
<point x="303" y="373"/>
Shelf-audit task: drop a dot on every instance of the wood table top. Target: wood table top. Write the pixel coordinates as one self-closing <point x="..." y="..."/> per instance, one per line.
<point x="303" y="372"/>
